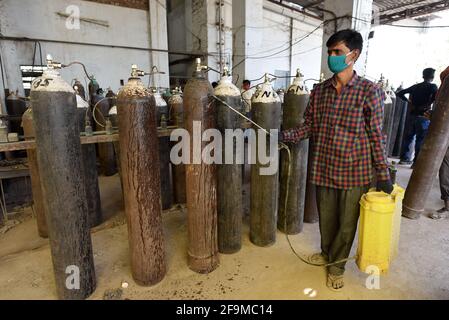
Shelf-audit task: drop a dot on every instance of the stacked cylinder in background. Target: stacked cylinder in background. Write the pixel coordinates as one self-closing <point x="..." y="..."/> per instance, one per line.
<point x="176" y="116"/>
<point x="164" y="153"/>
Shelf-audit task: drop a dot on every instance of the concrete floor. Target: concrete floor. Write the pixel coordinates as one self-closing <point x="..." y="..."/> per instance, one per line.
<point x="419" y="272"/>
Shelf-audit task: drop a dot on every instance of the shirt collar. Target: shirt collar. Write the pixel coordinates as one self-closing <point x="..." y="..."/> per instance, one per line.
<point x="351" y="83"/>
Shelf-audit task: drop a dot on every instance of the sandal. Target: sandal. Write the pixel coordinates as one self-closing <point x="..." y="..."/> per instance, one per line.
<point x="335" y="282"/>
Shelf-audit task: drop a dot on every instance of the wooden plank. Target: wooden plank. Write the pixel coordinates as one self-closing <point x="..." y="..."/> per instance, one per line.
<point x="102" y="137"/>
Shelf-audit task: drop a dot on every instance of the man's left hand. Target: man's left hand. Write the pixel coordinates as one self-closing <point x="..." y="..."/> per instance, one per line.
<point x="385" y="186"/>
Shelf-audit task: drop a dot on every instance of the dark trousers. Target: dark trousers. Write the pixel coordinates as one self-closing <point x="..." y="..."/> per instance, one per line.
<point x="415" y="126"/>
<point x="339" y="212"/>
<point x="444" y="177"/>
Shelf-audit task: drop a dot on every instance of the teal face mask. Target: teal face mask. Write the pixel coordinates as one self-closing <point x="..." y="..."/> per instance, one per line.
<point x="337" y="63"/>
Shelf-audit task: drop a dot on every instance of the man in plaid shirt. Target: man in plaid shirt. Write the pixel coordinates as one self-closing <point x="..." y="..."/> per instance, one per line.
<point x="343" y="121"/>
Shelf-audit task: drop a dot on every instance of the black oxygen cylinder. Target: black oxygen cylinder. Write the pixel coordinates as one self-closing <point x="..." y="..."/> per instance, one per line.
<point x="15" y="107"/>
<point x="291" y="215"/>
<point x="60" y="167"/>
<point x="89" y="164"/>
<point x="266" y="109"/>
<point x="402" y="107"/>
<point x="164" y="154"/>
<point x="78" y="87"/>
<point x="229" y="175"/>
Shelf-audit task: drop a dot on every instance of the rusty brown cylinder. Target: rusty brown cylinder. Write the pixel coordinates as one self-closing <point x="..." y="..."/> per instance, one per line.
<point x="266" y="109"/>
<point x="201" y="183"/>
<point x="139" y="158"/>
<point x="176" y="110"/>
<point x="291" y="214"/>
<point x="310" y="207"/>
<point x="59" y="157"/>
<point x="38" y="200"/>
<point x="229" y="174"/>
<point x="430" y="157"/>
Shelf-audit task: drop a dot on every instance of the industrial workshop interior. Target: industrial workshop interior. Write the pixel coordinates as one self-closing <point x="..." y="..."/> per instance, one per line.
<point x="229" y="150"/>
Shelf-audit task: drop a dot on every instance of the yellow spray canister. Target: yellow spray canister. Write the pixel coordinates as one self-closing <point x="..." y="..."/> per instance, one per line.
<point x="379" y="227"/>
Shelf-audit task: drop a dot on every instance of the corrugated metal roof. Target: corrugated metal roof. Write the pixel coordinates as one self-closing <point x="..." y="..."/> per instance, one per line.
<point x="390" y="10"/>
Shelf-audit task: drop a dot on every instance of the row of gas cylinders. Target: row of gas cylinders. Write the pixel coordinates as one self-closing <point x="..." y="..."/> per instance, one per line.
<point x="213" y="193"/>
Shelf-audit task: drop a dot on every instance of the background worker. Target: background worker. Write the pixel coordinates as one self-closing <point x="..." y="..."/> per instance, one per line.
<point x="343" y="119"/>
<point x="421" y="97"/>
<point x="247" y="94"/>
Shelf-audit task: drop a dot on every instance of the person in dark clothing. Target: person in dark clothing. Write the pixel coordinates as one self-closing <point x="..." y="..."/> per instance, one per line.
<point x="421" y="98"/>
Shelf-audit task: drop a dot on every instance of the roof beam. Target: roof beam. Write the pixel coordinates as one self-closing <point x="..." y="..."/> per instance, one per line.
<point x="415" y="12"/>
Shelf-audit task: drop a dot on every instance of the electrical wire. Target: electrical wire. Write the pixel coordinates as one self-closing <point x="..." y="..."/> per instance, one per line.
<point x="291" y="45"/>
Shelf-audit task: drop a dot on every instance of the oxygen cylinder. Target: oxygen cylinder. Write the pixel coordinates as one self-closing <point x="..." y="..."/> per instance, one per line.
<point x="311" y="207"/>
<point x="60" y="167"/>
<point x="139" y="163"/>
<point x="93" y="86"/>
<point x="229" y="175"/>
<point x="401" y="108"/>
<point x="291" y="217"/>
<point x="176" y="116"/>
<point x="266" y="108"/>
<point x="78" y="87"/>
<point x="430" y="157"/>
<point x="164" y="154"/>
<point x="114" y="121"/>
<point x="89" y="164"/>
<point x="38" y="200"/>
<point x="105" y="150"/>
<point x="15" y="106"/>
<point x="201" y="183"/>
<point x="394" y="122"/>
<point x="387" y="125"/>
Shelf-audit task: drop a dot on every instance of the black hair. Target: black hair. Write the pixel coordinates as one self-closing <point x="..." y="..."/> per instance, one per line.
<point x="247" y="82"/>
<point x="351" y="38"/>
<point x="428" y="73"/>
<point x="214" y="84"/>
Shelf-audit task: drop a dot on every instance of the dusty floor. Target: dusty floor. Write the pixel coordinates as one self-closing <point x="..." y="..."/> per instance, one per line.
<point x="419" y="272"/>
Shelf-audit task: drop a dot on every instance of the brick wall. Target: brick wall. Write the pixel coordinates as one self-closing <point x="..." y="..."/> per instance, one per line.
<point x="136" y="4"/>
